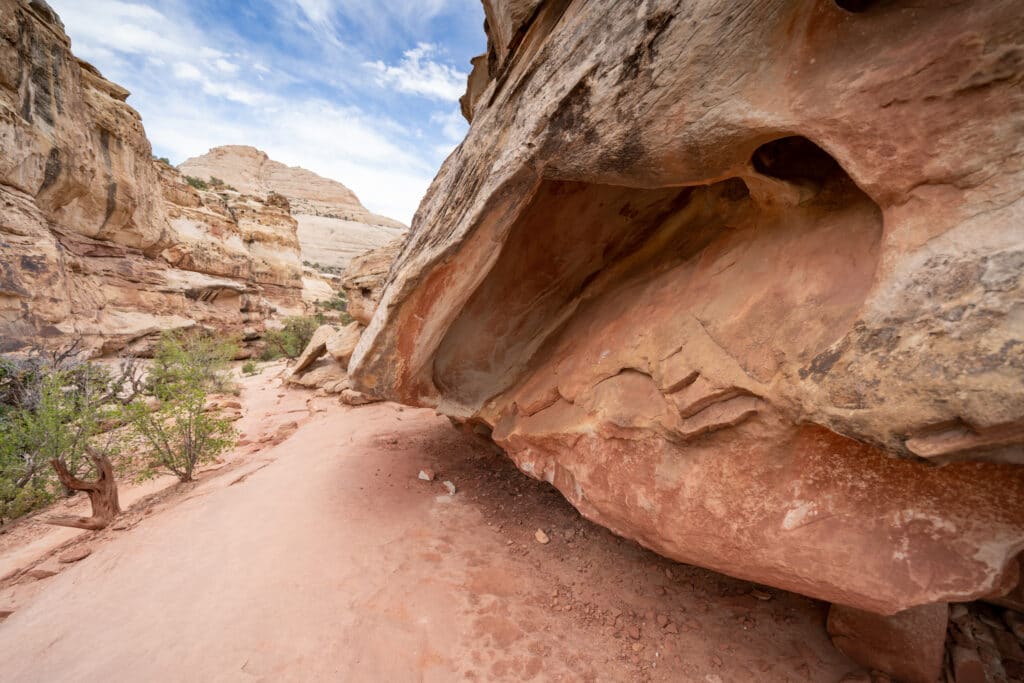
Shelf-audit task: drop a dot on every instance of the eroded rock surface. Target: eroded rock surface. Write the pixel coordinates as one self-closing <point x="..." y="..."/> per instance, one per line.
<point x="334" y="226"/>
<point x="362" y="283"/>
<point x="743" y="281"/>
<point x="98" y="239"/>
<point x="364" y="278"/>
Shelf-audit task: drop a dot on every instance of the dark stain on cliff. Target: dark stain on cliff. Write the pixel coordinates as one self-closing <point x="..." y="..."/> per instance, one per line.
<point x="111" y="184"/>
<point x="52" y="170"/>
<point x="39" y="81"/>
<point x="33" y="264"/>
<point x="823" y="362"/>
<point x="644" y="53"/>
<point x="58" y="95"/>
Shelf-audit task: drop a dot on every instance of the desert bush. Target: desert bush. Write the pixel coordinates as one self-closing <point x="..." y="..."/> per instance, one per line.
<point x="292" y="338"/>
<point x="197" y="183"/>
<point x="55" y="411"/>
<point x="180" y="434"/>
<point x="250" y="368"/>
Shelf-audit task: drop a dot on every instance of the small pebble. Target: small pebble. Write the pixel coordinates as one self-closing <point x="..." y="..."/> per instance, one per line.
<point x="450" y="486"/>
<point x="427" y="475"/>
<point x="541" y="537"/>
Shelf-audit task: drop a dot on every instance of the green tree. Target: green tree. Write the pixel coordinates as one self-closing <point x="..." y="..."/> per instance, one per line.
<point x="180" y="433"/>
<point x="293" y="337"/>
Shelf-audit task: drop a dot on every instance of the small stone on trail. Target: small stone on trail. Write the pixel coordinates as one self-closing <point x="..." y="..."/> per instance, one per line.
<point x="40" y="573"/>
<point x="637" y="647"/>
<point x="427" y="475"/>
<point x="760" y="594"/>
<point x="541" y="537"/>
<point x="662" y="620"/>
<point x="75" y="555"/>
<point x="450" y="486"/>
<point x="4" y="613"/>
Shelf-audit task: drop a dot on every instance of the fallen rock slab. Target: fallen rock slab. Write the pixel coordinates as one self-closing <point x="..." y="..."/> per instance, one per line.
<point x="75" y="555"/>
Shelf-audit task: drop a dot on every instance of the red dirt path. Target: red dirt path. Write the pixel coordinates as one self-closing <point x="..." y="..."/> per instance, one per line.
<point x="324" y="557"/>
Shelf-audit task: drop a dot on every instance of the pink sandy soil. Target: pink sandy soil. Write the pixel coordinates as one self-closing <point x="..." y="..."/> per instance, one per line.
<point x="324" y="557"/>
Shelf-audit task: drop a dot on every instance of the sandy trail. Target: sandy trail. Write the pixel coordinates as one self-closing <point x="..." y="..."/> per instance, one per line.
<point x="325" y="558"/>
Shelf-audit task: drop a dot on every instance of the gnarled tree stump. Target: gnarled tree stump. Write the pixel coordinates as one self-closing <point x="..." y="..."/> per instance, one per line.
<point x="102" y="494"/>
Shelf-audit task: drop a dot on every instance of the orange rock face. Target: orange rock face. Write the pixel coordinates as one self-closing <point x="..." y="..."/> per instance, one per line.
<point x="743" y="282"/>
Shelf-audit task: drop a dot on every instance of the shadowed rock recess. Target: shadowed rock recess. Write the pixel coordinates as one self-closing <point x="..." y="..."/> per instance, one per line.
<point x="743" y="281"/>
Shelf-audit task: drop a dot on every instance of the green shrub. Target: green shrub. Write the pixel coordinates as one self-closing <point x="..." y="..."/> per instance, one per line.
<point x="250" y="368"/>
<point x="180" y="434"/>
<point x="53" y="409"/>
<point x="292" y="338"/>
<point x="197" y="183"/>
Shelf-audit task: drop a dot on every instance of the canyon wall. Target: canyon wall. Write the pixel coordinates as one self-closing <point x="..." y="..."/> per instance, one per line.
<point x="744" y="281"/>
<point x="99" y="240"/>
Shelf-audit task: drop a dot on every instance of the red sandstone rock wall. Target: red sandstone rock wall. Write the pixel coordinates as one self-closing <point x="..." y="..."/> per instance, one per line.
<point x="743" y="281"/>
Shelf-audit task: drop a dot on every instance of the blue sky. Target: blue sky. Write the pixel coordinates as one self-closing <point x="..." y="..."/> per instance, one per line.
<point x="362" y="91"/>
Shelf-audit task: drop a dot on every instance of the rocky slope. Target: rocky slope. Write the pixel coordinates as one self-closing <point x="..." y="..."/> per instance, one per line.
<point x="100" y="241"/>
<point x="744" y="282"/>
<point x="333" y="225"/>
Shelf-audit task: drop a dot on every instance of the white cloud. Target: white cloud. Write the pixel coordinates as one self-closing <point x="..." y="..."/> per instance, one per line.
<point x="318" y="11"/>
<point x="453" y="124"/>
<point x="418" y="75"/>
<point x="187" y="72"/>
<point x="225" y="66"/>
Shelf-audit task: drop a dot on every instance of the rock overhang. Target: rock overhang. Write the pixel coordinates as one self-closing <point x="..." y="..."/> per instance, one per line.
<point x="662" y="255"/>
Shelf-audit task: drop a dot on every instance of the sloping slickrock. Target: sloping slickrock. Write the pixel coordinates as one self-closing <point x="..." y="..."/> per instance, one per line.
<point x="730" y="274"/>
<point x="99" y="240"/>
<point x="333" y="225"/>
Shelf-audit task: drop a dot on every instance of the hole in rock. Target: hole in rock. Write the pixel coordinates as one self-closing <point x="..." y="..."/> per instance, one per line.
<point x="607" y="271"/>
<point x="855" y="6"/>
<point x="795" y="158"/>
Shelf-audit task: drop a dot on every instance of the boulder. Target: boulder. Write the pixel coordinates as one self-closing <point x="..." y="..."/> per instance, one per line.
<point x="342" y="343"/>
<point x="365" y="277"/>
<point x="909" y="646"/>
<point x="736" y="278"/>
<point x="316" y="347"/>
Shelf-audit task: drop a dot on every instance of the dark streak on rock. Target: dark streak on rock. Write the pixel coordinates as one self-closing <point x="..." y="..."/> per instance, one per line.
<point x="824" y="361"/>
<point x="52" y="170"/>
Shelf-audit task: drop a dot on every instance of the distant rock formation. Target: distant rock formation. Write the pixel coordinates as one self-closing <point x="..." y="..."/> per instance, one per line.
<point x="333" y="225"/>
<point x="743" y="281"/>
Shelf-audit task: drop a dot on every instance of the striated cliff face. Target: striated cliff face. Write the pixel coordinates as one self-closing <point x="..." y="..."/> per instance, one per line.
<point x="743" y="281"/>
<point x="333" y="225"/>
<point x="97" y="239"/>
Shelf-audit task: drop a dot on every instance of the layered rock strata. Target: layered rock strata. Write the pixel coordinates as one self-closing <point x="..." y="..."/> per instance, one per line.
<point x="334" y="226"/>
<point x="743" y="281"/>
<point x="99" y="240"/>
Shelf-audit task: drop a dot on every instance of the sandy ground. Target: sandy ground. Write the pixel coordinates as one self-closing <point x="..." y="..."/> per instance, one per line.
<point x="324" y="557"/>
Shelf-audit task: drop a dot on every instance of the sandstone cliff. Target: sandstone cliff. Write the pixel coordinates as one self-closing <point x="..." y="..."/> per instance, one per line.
<point x="333" y="225"/>
<point x="743" y="281"/>
<point x="99" y="240"/>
